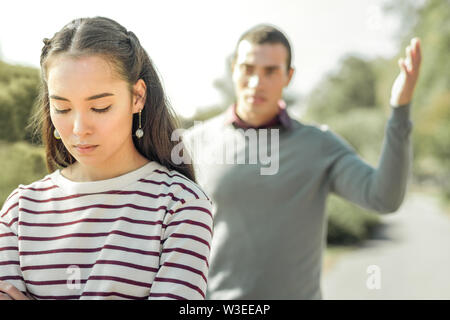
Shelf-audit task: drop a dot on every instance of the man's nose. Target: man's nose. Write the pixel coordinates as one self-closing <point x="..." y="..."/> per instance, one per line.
<point x="253" y="81"/>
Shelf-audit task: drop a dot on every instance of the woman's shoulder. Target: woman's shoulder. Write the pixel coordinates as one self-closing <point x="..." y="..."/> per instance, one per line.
<point x="177" y="183"/>
<point x="11" y="203"/>
<point x="43" y="184"/>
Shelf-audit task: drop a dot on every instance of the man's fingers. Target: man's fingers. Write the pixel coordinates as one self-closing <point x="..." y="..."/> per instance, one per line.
<point x="11" y="291"/>
<point x="417" y="52"/>
<point x="409" y="59"/>
<point x="402" y="65"/>
<point x="412" y="46"/>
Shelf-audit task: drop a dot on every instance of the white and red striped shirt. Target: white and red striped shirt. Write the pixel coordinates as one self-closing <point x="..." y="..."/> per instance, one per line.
<point x="142" y="235"/>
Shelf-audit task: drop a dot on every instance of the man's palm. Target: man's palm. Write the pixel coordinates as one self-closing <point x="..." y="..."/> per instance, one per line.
<point x="403" y="88"/>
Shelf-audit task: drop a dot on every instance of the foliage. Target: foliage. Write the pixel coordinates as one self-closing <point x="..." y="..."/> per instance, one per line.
<point x="18" y="91"/>
<point x="21" y="163"/>
<point x="352" y="86"/>
<point x="347" y="223"/>
<point x="432" y="143"/>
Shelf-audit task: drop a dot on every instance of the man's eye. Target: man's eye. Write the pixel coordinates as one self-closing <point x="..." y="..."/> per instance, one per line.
<point x="247" y="69"/>
<point x="101" y="110"/>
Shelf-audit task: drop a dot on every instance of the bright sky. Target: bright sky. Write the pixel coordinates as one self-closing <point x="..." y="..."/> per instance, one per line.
<point x="190" y="40"/>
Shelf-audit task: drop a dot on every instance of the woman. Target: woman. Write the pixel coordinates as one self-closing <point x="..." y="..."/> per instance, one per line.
<point x="117" y="219"/>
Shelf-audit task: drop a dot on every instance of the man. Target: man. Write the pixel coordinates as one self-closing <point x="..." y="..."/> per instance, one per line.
<point x="270" y="227"/>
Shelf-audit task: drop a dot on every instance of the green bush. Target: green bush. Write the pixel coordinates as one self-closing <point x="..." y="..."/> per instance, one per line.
<point x="21" y="163"/>
<point x="19" y="88"/>
<point x="348" y="224"/>
<point x="363" y="129"/>
<point x="432" y="143"/>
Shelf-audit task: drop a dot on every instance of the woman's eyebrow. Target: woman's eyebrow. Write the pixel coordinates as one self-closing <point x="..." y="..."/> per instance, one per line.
<point x="97" y="96"/>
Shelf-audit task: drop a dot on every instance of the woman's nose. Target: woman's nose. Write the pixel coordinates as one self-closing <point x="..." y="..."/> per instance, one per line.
<point x="81" y="125"/>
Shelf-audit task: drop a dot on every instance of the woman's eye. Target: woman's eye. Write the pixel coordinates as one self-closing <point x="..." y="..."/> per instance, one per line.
<point x="61" y="110"/>
<point x="101" y="110"/>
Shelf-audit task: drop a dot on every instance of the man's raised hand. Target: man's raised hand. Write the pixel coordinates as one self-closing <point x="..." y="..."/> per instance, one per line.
<point x="403" y="88"/>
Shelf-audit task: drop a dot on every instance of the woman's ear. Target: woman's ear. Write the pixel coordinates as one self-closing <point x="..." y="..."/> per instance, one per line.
<point x="139" y="95"/>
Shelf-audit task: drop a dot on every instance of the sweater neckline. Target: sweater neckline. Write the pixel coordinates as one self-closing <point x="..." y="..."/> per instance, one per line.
<point x="115" y="183"/>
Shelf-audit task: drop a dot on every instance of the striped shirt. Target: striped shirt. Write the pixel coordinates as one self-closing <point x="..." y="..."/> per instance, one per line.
<point x="142" y="235"/>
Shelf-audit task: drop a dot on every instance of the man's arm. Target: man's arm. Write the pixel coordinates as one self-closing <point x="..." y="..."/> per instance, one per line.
<point x="382" y="189"/>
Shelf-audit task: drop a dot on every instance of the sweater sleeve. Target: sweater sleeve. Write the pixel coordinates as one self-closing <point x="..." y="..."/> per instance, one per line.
<point x="383" y="188"/>
<point x="186" y="241"/>
<point x="9" y="252"/>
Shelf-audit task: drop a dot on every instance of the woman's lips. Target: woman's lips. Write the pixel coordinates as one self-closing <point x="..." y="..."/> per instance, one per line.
<point x="85" y="149"/>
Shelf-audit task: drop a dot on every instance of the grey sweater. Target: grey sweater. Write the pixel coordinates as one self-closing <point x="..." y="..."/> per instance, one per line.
<point x="270" y="230"/>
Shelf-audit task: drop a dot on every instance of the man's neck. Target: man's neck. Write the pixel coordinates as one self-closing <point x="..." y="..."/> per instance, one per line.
<point x="254" y="119"/>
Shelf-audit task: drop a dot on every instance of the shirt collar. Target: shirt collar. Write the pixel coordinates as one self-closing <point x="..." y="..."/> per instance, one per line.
<point x="282" y="118"/>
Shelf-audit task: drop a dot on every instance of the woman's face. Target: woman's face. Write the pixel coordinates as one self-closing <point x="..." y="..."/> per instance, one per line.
<point x="92" y="109"/>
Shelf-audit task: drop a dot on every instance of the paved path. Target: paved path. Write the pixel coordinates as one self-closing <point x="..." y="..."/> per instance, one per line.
<point x="412" y="252"/>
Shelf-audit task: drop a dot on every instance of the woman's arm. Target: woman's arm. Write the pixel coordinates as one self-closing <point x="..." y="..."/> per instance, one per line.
<point x="11" y="279"/>
<point x="9" y="292"/>
<point x="186" y="241"/>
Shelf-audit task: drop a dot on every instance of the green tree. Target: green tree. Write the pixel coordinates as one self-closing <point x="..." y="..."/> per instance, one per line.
<point x="351" y="86"/>
<point x="18" y="92"/>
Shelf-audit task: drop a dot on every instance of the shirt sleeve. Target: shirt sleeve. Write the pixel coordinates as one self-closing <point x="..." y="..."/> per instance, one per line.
<point x="9" y="252"/>
<point x="184" y="261"/>
<point x="383" y="188"/>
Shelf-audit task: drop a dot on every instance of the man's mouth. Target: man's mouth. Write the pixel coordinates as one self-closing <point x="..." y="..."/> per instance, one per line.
<point x="255" y="99"/>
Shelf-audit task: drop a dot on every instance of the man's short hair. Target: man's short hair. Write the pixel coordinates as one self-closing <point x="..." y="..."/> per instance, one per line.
<point x="265" y="33"/>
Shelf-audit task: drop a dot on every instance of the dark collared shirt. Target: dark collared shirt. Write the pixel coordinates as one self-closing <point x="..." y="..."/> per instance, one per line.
<point x="281" y="119"/>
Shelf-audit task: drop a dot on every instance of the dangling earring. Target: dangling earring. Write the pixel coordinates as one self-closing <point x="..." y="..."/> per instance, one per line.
<point x="140" y="132"/>
<point x="56" y="134"/>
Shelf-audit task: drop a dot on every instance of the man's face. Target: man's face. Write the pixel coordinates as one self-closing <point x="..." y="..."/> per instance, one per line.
<point x="259" y="75"/>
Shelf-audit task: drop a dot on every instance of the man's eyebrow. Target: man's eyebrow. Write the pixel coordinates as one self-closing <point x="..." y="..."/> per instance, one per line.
<point x="97" y="96"/>
<point x="272" y="67"/>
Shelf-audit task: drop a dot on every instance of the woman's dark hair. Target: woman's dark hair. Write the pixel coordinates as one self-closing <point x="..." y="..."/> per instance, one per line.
<point x="107" y="38"/>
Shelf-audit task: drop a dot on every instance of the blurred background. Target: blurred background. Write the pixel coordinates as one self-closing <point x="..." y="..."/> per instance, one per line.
<point x="345" y="56"/>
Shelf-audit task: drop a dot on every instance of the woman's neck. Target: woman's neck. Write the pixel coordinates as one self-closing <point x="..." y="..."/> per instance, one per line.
<point x="78" y="172"/>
